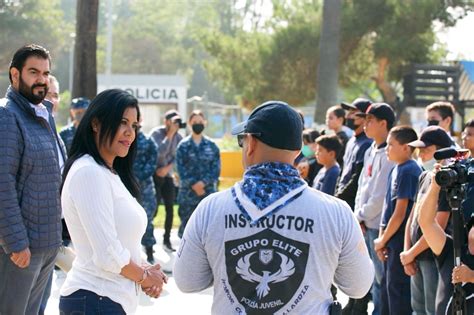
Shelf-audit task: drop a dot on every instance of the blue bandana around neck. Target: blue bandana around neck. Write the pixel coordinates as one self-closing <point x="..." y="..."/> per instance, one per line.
<point x="266" y="188"/>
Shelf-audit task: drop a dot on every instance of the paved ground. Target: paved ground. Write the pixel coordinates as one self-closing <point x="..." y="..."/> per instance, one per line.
<point x="172" y="301"/>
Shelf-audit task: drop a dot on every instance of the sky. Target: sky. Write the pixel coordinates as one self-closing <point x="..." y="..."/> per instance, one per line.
<point x="459" y="39"/>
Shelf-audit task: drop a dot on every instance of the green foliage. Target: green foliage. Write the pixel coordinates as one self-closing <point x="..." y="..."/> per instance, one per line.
<point x="31" y="21"/>
<point x="62" y="115"/>
<point x="283" y="62"/>
<point x="228" y="143"/>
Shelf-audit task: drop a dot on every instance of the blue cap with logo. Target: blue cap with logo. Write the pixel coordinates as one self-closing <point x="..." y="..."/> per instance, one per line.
<point x="276" y="124"/>
<point x="80" y="103"/>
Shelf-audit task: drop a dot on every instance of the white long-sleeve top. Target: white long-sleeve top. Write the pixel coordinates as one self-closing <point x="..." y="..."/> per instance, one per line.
<point x="106" y="224"/>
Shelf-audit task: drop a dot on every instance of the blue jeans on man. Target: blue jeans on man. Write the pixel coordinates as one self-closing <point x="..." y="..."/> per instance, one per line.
<point x="21" y="289"/>
<point x="370" y="236"/>
<point x="423" y="287"/>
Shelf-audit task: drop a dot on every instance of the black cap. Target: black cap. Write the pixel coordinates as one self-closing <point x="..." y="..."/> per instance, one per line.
<point x="433" y="135"/>
<point x="360" y="104"/>
<point x="381" y="111"/>
<point x="276" y="124"/>
<point x="171" y="113"/>
<point x="80" y="103"/>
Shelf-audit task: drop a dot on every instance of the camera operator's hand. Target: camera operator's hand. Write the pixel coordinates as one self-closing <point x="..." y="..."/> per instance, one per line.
<point x="410" y="269"/>
<point x="462" y="274"/>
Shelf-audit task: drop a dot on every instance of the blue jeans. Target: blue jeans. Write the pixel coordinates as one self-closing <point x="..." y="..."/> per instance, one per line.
<point x="423" y="287"/>
<point x="83" y="302"/>
<point x="370" y="236"/>
<point x="21" y="289"/>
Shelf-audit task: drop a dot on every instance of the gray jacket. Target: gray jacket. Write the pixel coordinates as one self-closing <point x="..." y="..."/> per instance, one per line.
<point x="30" y="212"/>
<point x="373" y="185"/>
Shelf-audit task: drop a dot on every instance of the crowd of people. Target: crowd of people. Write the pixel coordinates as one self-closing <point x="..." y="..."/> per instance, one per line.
<point x="387" y="180"/>
<point x="353" y="207"/>
<point x="84" y="199"/>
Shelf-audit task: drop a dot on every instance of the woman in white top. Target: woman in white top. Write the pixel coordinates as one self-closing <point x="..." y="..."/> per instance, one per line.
<point x="105" y="220"/>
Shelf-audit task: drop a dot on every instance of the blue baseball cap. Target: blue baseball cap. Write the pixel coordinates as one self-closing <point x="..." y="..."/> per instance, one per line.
<point x="276" y="124"/>
<point x="80" y="103"/>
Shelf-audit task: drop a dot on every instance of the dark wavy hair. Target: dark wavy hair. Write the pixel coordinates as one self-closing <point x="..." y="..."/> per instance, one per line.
<point x="107" y="109"/>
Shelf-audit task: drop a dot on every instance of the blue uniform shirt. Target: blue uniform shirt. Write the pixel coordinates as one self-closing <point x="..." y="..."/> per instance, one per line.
<point x="143" y="167"/>
<point x="197" y="163"/>
<point x="354" y="154"/>
<point x="403" y="184"/>
<point x="326" y="180"/>
<point x="67" y="134"/>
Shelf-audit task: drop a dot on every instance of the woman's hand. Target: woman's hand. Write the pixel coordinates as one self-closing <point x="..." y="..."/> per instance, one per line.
<point x="153" y="284"/>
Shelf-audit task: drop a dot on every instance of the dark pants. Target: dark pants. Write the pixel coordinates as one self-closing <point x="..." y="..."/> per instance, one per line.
<point x="165" y="190"/>
<point x="395" y="286"/>
<point x="21" y="289"/>
<point x="185" y="211"/>
<point x="46" y="294"/>
<point x="84" y="302"/>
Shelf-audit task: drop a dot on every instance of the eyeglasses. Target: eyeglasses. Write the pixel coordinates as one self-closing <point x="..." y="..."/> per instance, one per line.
<point x="241" y="137"/>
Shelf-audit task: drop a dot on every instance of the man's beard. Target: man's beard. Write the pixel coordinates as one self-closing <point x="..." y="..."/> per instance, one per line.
<point x="28" y="93"/>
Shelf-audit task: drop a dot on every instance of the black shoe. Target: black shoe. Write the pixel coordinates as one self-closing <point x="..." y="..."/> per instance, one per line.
<point x="167" y="246"/>
<point x="149" y="254"/>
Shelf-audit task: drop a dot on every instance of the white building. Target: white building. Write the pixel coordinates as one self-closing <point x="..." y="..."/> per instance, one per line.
<point x="156" y="94"/>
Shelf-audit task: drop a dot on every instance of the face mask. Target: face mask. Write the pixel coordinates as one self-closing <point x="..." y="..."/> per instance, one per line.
<point x="350" y="123"/>
<point x="197" y="128"/>
<point x="428" y="165"/>
<point x="433" y="122"/>
<point x="307" y="152"/>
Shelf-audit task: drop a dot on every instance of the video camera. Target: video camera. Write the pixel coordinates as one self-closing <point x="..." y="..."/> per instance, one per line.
<point x="457" y="172"/>
<point x="179" y="121"/>
<point x="453" y="178"/>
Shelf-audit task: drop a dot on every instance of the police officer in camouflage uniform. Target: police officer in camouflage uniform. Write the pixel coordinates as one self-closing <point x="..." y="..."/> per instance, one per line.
<point x="78" y="108"/>
<point x="198" y="162"/>
<point x="144" y="168"/>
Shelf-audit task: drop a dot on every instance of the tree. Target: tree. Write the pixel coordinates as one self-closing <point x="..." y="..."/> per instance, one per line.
<point x="85" y="48"/>
<point x="25" y="22"/>
<point x="379" y="38"/>
<point x="329" y="59"/>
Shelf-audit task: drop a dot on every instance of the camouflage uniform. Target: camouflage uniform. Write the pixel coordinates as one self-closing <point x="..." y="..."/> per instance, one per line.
<point x="144" y="168"/>
<point x="195" y="163"/>
<point x="67" y="134"/>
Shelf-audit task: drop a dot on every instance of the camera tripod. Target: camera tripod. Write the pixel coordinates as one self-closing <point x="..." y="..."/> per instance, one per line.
<point x="455" y="196"/>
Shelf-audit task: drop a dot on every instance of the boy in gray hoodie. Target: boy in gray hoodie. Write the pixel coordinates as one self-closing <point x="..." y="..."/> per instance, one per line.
<point x="373" y="182"/>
